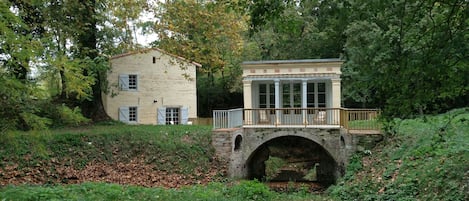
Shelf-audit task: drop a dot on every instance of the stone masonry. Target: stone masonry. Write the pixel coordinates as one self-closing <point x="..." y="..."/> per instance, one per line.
<point x="239" y="145"/>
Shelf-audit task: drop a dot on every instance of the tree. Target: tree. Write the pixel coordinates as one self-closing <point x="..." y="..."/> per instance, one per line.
<point x="96" y="28"/>
<point x="408" y="57"/>
<point x="17" y="95"/>
<point x="66" y="43"/>
<point x="210" y="33"/>
<point x="298" y="29"/>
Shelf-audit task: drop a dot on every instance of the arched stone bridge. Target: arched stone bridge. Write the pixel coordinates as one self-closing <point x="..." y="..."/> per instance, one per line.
<point x="327" y="150"/>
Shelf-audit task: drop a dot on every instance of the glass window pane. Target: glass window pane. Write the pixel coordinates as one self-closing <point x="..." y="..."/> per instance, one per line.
<point x="262" y="99"/>
<point x="310" y="100"/>
<point x="262" y="88"/>
<point x="272" y="99"/>
<point x="321" y="98"/>
<point x="321" y="87"/>
<point x="310" y="87"/>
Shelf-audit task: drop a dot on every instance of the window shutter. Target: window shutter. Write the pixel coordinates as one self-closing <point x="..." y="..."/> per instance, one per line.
<point x="124" y="114"/>
<point x="184" y="115"/>
<point x="124" y="82"/>
<point x="161" y="116"/>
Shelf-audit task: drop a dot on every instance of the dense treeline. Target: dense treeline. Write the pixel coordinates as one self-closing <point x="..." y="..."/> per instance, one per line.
<point x="407" y="57"/>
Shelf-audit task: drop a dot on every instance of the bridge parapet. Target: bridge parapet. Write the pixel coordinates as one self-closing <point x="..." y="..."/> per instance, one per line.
<point x="350" y="119"/>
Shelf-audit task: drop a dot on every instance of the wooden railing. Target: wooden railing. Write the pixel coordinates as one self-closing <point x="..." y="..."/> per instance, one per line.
<point x="351" y="119"/>
<point x="360" y="119"/>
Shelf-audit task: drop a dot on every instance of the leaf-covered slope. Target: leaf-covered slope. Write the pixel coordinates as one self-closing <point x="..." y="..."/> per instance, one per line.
<point x="169" y="156"/>
<point x="426" y="159"/>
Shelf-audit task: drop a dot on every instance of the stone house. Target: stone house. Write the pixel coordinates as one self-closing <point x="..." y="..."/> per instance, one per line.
<point x="151" y="86"/>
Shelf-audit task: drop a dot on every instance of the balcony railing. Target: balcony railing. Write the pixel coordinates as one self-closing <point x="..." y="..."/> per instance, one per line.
<point x="352" y="119"/>
<point x="292" y="117"/>
<point x="227" y="118"/>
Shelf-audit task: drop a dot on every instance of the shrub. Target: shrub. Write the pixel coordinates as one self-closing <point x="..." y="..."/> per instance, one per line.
<point x="252" y="190"/>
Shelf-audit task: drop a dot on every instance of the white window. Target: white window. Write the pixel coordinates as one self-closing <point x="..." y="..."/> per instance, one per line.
<point x="291" y="95"/>
<point x="173" y="115"/>
<point x="316" y="95"/>
<point x="128" y="82"/>
<point x="128" y="114"/>
<point x="266" y="96"/>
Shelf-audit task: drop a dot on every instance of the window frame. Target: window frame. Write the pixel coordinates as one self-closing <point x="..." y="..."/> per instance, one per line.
<point x="128" y="82"/>
<point x="173" y="115"/>
<point x="133" y="82"/>
<point x="133" y="114"/>
<point x="312" y="97"/>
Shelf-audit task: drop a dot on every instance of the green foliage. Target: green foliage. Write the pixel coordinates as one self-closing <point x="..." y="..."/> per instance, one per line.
<point x="35" y="122"/>
<point x="298" y="29"/>
<point x="63" y="116"/>
<point x="19" y="104"/>
<point x="253" y="190"/>
<point x="426" y="159"/>
<point x="355" y="165"/>
<point x="207" y="32"/>
<point x="102" y="191"/>
<point x="424" y="44"/>
<point x="272" y="167"/>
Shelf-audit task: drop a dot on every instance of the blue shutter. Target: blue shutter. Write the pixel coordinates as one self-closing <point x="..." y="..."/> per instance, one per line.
<point x="161" y="116"/>
<point x="124" y="114"/>
<point x="124" y="82"/>
<point x="184" y="115"/>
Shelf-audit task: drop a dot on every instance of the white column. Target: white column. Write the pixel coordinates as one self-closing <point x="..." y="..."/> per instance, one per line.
<point x="304" y="103"/>
<point x="277" y="101"/>
<point x="336" y="93"/>
<point x="336" y="97"/>
<point x="304" y="93"/>
<point x="277" y="93"/>
<point x="247" y="96"/>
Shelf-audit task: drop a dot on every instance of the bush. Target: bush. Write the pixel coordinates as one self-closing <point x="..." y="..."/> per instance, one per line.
<point x="252" y="190"/>
<point x="64" y="116"/>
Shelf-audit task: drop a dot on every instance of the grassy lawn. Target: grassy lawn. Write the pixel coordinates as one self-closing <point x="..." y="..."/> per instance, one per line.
<point x="244" y="190"/>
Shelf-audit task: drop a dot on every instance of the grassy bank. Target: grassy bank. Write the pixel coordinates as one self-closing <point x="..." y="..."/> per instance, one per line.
<point x="422" y="159"/>
<point x="51" y="157"/>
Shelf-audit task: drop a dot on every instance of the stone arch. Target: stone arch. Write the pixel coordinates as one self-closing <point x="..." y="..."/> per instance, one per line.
<point x="259" y="151"/>
<point x="256" y="143"/>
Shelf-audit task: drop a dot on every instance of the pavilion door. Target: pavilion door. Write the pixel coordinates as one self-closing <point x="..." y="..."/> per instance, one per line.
<point x="291" y="102"/>
<point x="267" y="101"/>
<point x="316" y="98"/>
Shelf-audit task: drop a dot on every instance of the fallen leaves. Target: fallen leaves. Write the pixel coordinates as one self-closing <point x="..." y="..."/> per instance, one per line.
<point x="134" y="172"/>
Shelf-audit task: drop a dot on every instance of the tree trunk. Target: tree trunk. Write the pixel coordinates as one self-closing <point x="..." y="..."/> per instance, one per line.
<point x="87" y="41"/>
